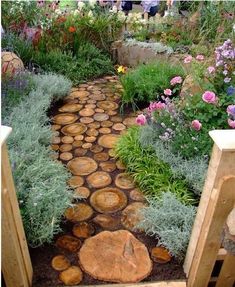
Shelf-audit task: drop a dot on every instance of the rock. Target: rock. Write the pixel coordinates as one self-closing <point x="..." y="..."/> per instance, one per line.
<point x="131" y="216"/>
<point x="83" y="230"/>
<point x="60" y="263"/>
<point x="107" y="221"/>
<point x="160" y="255"/>
<point x="69" y="243"/>
<point x="11" y="63"/>
<point x="71" y="276"/>
<point x="119" y="256"/>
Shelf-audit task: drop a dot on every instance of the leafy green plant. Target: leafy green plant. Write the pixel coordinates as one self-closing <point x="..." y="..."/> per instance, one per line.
<point x="40" y="181"/>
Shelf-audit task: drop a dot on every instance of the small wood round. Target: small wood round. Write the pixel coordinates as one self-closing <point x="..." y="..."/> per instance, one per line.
<point x="72" y="276"/>
<point x="77" y="144"/>
<point x="124" y="181"/>
<point x="96" y="92"/>
<point x="119" y="127"/>
<point x="55" y="127"/>
<point x="56" y="133"/>
<point x="131" y="216"/>
<point x="112" y="113"/>
<point x="83" y="86"/>
<point x="98" y="110"/>
<point x="90" y="106"/>
<point x="79" y="94"/>
<point x="80" y="151"/>
<point x="96" y="148"/>
<point x="79" y="212"/>
<point x="130" y="122"/>
<point x="87" y="145"/>
<point x="82" y="166"/>
<point x="82" y="101"/>
<point x="90" y="139"/>
<point x="66" y="156"/>
<point x="83" y="230"/>
<point x="65" y="147"/>
<point x="65" y="119"/>
<point x="116" y="119"/>
<point x="108" y="166"/>
<point x="101" y="156"/>
<point x="69" y="243"/>
<point x="55" y="140"/>
<point x="60" y="263"/>
<point x="86" y="112"/>
<point x="98" y="97"/>
<point x="94" y="125"/>
<point x="160" y="255"/>
<point x="74" y="129"/>
<point x="107" y="105"/>
<point x="67" y="139"/>
<point x="92" y="132"/>
<point x="107" y="222"/>
<point x="70" y="108"/>
<point x="79" y="137"/>
<point x="99" y="179"/>
<point x="82" y="191"/>
<point x="106" y="124"/>
<point x="100" y="117"/>
<point x="91" y="101"/>
<point x="108" y="141"/>
<point x="137" y="195"/>
<point x="105" y="131"/>
<point x="55" y="147"/>
<point x="112" y="153"/>
<point x="86" y="120"/>
<point x="120" y="165"/>
<point x="76" y="181"/>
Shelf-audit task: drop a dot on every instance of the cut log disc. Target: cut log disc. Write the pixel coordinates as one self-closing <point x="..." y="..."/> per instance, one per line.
<point x="82" y="191"/>
<point x="86" y="112"/>
<point x="65" y="119"/>
<point x="70" y="108"/>
<point x="90" y="139"/>
<point x="74" y="129"/>
<point x="107" y="221"/>
<point x="105" y="131"/>
<point x="116" y="119"/>
<point x="72" y="276"/>
<point x="112" y="113"/>
<point x="66" y="156"/>
<point x="112" y="153"/>
<point x="94" y="125"/>
<point x="124" y="181"/>
<point x="87" y="145"/>
<point x="100" y="117"/>
<point x="60" y="263"/>
<point x="130" y="122"/>
<point x="79" y="212"/>
<point x="107" y="105"/>
<point x="83" y="86"/>
<point x="76" y="181"/>
<point x="108" y="141"/>
<point x="83" y="230"/>
<point x="80" y="152"/>
<point x="160" y="255"/>
<point x="55" y="127"/>
<point x="108" y="166"/>
<point x="120" y="165"/>
<point x="79" y="137"/>
<point x="55" y="147"/>
<point x="69" y="243"/>
<point x="91" y="101"/>
<point x="92" y="132"/>
<point x="82" y="166"/>
<point x="55" y="140"/>
<point x="90" y="106"/>
<point x="119" y="127"/>
<point x="108" y="200"/>
<point x="82" y="101"/>
<point x="65" y="147"/>
<point x="99" y="179"/>
<point x="86" y="120"/>
<point x="67" y="139"/>
<point x="96" y="97"/>
<point x="101" y="156"/>
<point x="77" y="144"/>
<point x="79" y="94"/>
<point x="98" y="110"/>
<point x="96" y="148"/>
<point x="137" y="195"/>
<point x="106" y="124"/>
<point x="131" y="216"/>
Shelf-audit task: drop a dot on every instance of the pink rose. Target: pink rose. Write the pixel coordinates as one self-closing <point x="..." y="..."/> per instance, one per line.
<point x="209" y="97"/>
<point x="188" y="59"/>
<point x="200" y="58"/>
<point x="141" y="120"/>
<point x="167" y="92"/>
<point x="156" y="106"/>
<point x="231" y="123"/>
<point x="196" y="125"/>
<point x="211" y="69"/>
<point x="176" y="80"/>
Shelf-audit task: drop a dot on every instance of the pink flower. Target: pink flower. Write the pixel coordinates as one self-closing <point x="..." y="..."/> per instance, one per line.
<point x="188" y="59"/>
<point x="141" y="120"/>
<point x="211" y="69"/>
<point x="200" y="58"/>
<point x="156" y="106"/>
<point x="231" y="110"/>
<point x="231" y="123"/>
<point x="196" y="125"/>
<point x="209" y="97"/>
<point x="167" y="92"/>
<point x="176" y="80"/>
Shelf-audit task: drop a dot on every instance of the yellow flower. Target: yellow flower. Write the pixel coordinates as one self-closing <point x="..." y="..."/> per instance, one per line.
<point x="121" y="69"/>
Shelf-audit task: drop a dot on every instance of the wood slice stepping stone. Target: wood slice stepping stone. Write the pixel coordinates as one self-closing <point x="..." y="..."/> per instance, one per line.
<point x="65" y="147"/>
<point x="160" y="255"/>
<point x="96" y="148"/>
<point x="101" y="156"/>
<point x="82" y="191"/>
<point x="69" y="243"/>
<point x="92" y="132"/>
<point x="56" y="133"/>
<point x="98" y="110"/>
<point x="60" y="263"/>
<point x="79" y="137"/>
<point x="105" y="131"/>
<point x="106" y="124"/>
<point x="70" y="108"/>
<point x="86" y="120"/>
<point x="91" y="101"/>
<point x="116" y="119"/>
<point x="100" y="117"/>
<point x="67" y="139"/>
<point x="74" y="129"/>
<point x="112" y="113"/>
<point x="87" y="145"/>
<point x="77" y="144"/>
<point x="119" y="127"/>
<point x="55" y="147"/>
<point x="76" y="181"/>
<point x="83" y="85"/>
<point x="55" y="140"/>
<point x="130" y="122"/>
<point x="120" y="257"/>
<point x="108" y="200"/>
<point x="90" y="106"/>
<point x="137" y="195"/>
<point x="79" y="212"/>
<point x="94" y="125"/>
<point x="73" y="89"/>
<point x="120" y="165"/>
<point x="83" y="230"/>
<point x="65" y="119"/>
<point x="66" y="156"/>
<point x="80" y="94"/>
<point x="80" y="152"/>
<point x="124" y="181"/>
<point x="107" y="221"/>
<point x="108" y="166"/>
<point x="55" y="127"/>
<point x="90" y="139"/>
<point x="107" y="105"/>
<point x="99" y="97"/>
<point x="72" y="276"/>
<point x="111" y="153"/>
<point x="131" y="216"/>
<point x="108" y="141"/>
<point x="86" y="112"/>
<point x="82" y="166"/>
<point x="99" y="179"/>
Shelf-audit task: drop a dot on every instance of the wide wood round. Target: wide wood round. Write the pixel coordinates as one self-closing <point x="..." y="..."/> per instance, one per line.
<point x="87" y="112"/>
<point x="82" y="166"/>
<point x="96" y="148"/>
<point x="108" y="166"/>
<point x="79" y="94"/>
<point x="70" y="108"/>
<point x="116" y="119"/>
<point x="94" y="125"/>
<point x="119" y="127"/>
<point x="60" y="263"/>
<point x="108" y="141"/>
<point x="101" y="156"/>
<point x="99" y="179"/>
<point x="67" y="139"/>
<point x="83" y="230"/>
<point x="72" y="276"/>
<point x="66" y="156"/>
<point x="74" y="129"/>
<point x="100" y="117"/>
<point x="124" y="181"/>
<point x="107" y="221"/>
<point x="90" y="106"/>
<point x="65" y="147"/>
<point x="79" y="212"/>
<point x="87" y="145"/>
<point x="98" y="110"/>
<point x="69" y="243"/>
<point x="108" y="200"/>
<point x="86" y="120"/>
<point x="107" y="105"/>
<point x="75" y="181"/>
<point x="106" y="124"/>
<point x="131" y="121"/>
<point x="90" y="139"/>
<point x="105" y="131"/>
<point x="79" y="137"/>
<point x="80" y="151"/>
<point x="55" y="127"/>
<point x="65" y="119"/>
<point x="82" y="191"/>
<point x="92" y="132"/>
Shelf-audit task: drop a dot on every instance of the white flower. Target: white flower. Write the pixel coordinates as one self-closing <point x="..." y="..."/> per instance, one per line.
<point x="90" y="14"/>
<point x="233" y="27"/>
<point x="92" y="3"/>
<point x="81" y="5"/>
<point x="58" y="12"/>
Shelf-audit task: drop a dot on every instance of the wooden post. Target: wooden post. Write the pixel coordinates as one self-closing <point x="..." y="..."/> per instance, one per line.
<point x="16" y="263"/>
<point x="227" y="274"/>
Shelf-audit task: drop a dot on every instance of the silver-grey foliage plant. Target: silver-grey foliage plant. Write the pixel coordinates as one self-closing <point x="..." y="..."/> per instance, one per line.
<point x="40" y="181"/>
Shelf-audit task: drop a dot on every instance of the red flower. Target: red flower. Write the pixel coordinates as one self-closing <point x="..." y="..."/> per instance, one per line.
<point x="72" y="29"/>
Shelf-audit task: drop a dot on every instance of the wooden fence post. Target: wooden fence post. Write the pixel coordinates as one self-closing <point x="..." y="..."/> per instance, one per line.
<point x="16" y="262"/>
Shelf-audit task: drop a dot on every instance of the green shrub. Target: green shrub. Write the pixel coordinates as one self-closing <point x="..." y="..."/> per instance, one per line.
<point x="147" y="82"/>
<point x="40" y="181"/>
<point x="170" y="221"/>
<point x="151" y="174"/>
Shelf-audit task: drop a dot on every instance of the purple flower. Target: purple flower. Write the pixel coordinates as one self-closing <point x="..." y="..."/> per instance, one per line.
<point x="188" y="59"/>
<point x="141" y="120"/>
<point x="211" y="69"/>
<point x="209" y="97"/>
<point x="200" y="58"/>
<point x="227" y="80"/>
<point x="231" y="123"/>
<point x="230" y="91"/>
<point x="225" y="72"/>
<point x="156" y="106"/>
<point x="231" y="110"/>
<point x="176" y="80"/>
